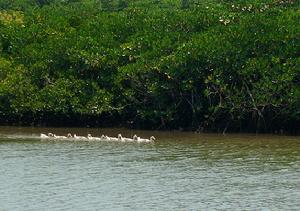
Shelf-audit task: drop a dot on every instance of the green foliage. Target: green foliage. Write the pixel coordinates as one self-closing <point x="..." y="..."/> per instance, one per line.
<point x="208" y="64"/>
<point x="185" y="4"/>
<point x="122" y="4"/>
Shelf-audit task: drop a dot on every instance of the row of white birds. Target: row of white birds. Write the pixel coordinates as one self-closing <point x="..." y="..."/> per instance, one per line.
<point x="89" y="137"/>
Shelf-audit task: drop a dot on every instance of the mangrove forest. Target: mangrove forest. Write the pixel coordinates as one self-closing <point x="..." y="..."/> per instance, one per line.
<point x="203" y="65"/>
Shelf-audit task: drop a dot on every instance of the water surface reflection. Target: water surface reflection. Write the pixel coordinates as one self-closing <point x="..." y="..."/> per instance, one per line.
<point x="181" y="171"/>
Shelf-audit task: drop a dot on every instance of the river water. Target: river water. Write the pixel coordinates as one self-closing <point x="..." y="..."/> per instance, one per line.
<point x="180" y="171"/>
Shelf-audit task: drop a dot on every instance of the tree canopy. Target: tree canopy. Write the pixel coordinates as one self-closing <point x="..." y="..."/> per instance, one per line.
<point x="161" y="64"/>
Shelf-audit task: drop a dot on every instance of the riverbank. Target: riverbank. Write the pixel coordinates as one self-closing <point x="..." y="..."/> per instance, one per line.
<point x="60" y="121"/>
<point x="32" y="132"/>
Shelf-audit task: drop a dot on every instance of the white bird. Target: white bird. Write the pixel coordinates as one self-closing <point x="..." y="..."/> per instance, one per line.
<point x="43" y="136"/>
<point x="138" y="139"/>
<point x="111" y="138"/>
<point x="124" y="139"/>
<point x="120" y="138"/>
<point x="79" y="137"/>
<point x="152" y="139"/>
<point x="104" y="138"/>
<point x="90" y="137"/>
<point x="50" y="135"/>
<point x="69" y="135"/>
<point x="97" y="139"/>
<point x="59" y="137"/>
<point x="135" y="137"/>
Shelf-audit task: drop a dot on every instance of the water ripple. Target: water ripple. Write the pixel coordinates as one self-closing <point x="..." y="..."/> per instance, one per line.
<point x="194" y="173"/>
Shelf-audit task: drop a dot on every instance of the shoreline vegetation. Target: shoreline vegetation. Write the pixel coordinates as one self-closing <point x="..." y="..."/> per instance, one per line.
<point x="200" y="65"/>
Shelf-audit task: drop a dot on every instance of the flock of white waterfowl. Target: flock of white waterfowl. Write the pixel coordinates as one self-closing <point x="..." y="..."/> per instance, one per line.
<point x="135" y="138"/>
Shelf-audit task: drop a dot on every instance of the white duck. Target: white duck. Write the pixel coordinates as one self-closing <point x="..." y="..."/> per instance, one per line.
<point x="124" y="139"/>
<point x="60" y="137"/>
<point x="90" y="137"/>
<point x="138" y="139"/>
<point x="79" y="137"/>
<point x="97" y="139"/>
<point x="135" y="137"/>
<point x="50" y="135"/>
<point x="120" y="138"/>
<point x="112" y="138"/>
<point x="104" y="138"/>
<point x="152" y="139"/>
<point x="42" y="135"/>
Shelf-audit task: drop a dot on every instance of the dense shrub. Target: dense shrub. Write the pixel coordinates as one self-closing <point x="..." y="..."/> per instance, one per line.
<point x="206" y="65"/>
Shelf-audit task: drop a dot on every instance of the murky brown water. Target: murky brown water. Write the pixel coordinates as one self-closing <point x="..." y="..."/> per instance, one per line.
<point x="180" y="171"/>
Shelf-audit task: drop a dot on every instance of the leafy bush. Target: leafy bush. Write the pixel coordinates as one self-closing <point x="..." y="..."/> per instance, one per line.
<point x="213" y="65"/>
